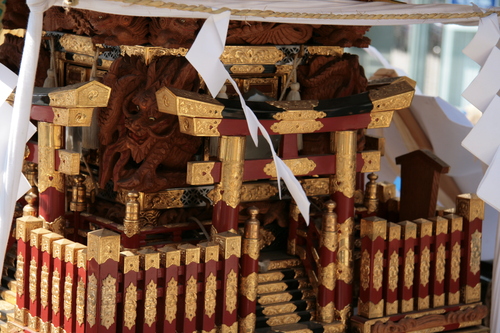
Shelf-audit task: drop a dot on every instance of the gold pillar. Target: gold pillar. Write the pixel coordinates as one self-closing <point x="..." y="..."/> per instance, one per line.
<point x="343" y="186"/>
<point x="232" y="155"/>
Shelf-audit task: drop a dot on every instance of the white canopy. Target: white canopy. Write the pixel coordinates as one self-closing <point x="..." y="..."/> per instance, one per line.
<point x="333" y="12"/>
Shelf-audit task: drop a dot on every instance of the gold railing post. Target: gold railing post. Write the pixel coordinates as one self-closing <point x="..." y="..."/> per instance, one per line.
<point x="24" y="226"/>
<point x="327" y="267"/>
<point x="371" y="200"/>
<point x="249" y="273"/>
<point x="131" y="225"/>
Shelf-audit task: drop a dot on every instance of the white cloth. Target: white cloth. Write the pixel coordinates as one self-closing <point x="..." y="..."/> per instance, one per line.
<point x="381" y="13"/>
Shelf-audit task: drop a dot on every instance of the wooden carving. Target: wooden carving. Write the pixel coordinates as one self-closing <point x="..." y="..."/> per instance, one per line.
<point x="327" y="77"/>
<point x="16" y="14"/>
<point x="115" y="30"/>
<point x="143" y="149"/>
<point x="173" y="32"/>
<point x="11" y="52"/>
<point x="260" y="33"/>
<point x="63" y="19"/>
<point x="427" y="322"/>
<point x="341" y="35"/>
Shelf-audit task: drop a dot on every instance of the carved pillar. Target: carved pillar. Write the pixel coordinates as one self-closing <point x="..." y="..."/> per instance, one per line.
<point x="230" y="252"/>
<point x="391" y="274"/>
<point x="453" y="264"/>
<point x="343" y="185"/>
<point x="131" y="222"/>
<point x="327" y="269"/>
<point x="24" y="226"/>
<point x="422" y="268"/>
<point x="232" y="156"/>
<point x="34" y="278"/>
<point x="190" y="258"/>
<point x="150" y="313"/>
<point x="373" y="236"/>
<point x="249" y="273"/>
<point x="103" y="252"/>
<point x="130" y="263"/>
<point x="407" y="271"/>
<point x="471" y="208"/>
<point x="172" y="263"/>
<point x="81" y="291"/>
<point x="70" y="286"/>
<point x="48" y="271"/>
<point x="210" y="256"/>
<point x="50" y="182"/>
<point x="58" y="279"/>
<point x="438" y="265"/>
<point x="78" y="204"/>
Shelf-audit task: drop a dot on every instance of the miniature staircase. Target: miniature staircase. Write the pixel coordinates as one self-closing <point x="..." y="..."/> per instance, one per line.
<point x="8" y="289"/>
<point x="285" y="300"/>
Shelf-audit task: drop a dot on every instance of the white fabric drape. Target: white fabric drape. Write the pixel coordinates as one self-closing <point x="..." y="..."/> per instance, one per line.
<point x="352" y="12"/>
<point x="12" y="166"/>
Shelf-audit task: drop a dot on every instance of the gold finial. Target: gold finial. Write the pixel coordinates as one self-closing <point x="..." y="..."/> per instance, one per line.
<point x="132" y="210"/>
<point x="330" y="217"/>
<point x="79" y="195"/>
<point x="371" y="201"/>
<point x="29" y="209"/>
<point x="330" y="206"/>
<point x="252" y="225"/>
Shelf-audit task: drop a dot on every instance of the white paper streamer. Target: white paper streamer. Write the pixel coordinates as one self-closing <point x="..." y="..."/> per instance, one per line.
<point x="483" y="140"/>
<point x="484" y="40"/>
<point x="11" y="166"/>
<point x="485" y="86"/>
<point x="204" y="56"/>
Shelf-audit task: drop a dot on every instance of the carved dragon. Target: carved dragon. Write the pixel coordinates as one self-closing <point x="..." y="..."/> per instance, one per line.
<point x="143" y="149"/>
<point x="260" y="33"/>
<point x="173" y="32"/>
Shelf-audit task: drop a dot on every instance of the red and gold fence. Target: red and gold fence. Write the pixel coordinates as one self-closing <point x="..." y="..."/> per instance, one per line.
<point x="421" y="274"/>
<point x="69" y="287"/>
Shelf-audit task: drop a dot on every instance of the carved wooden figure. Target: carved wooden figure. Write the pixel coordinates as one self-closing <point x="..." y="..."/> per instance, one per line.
<point x="173" y="32"/>
<point x="143" y="149"/>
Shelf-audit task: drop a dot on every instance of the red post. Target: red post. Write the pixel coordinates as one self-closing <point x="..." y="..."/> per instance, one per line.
<point x="48" y="271"/>
<point x="471" y="208"/>
<point x="452" y="286"/>
<point x="423" y="267"/>
<point x="172" y="265"/>
<point x="103" y="251"/>
<point x="407" y="271"/>
<point x="230" y="252"/>
<point x="130" y="263"/>
<point x="373" y="236"/>
<point x="24" y="226"/>
<point x="71" y="284"/>
<point x="210" y="256"/>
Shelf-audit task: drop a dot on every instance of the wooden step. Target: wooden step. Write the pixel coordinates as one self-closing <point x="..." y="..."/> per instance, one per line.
<point x="265" y="266"/>
<point x="284" y="274"/>
<point x="9" y="283"/>
<point x="6" y="310"/>
<point x="273" y="287"/>
<point x="282" y="319"/>
<point x="304" y="327"/>
<point x="285" y="296"/>
<point x="285" y="307"/>
<point x="8" y="295"/>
